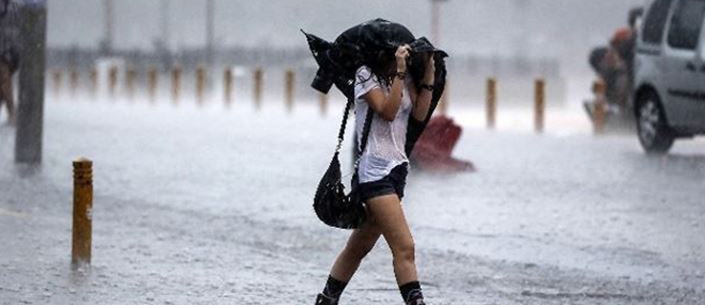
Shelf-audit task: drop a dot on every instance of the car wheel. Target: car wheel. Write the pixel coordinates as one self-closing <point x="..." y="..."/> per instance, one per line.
<point x="654" y="134"/>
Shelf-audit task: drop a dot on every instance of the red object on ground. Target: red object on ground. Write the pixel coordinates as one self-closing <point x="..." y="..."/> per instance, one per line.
<point x="434" y="147"/>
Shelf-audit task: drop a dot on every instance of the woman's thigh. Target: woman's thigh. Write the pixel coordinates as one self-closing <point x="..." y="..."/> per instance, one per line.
<point x="389" y="218"/>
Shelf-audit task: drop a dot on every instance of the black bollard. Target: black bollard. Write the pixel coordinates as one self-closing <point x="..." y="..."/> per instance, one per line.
<point x="30" y="110"/>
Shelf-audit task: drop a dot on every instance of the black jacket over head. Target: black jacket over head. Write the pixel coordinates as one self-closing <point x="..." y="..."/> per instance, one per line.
<point x="361" y="45"/>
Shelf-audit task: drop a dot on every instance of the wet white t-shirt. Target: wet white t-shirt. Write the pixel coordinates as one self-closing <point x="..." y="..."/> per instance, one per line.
<point x="387" y="139"/>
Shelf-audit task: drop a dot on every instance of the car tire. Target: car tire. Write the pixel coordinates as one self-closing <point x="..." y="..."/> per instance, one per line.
<point x="655" y="136"/>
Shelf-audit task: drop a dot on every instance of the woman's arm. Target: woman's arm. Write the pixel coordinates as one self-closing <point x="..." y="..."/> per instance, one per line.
<point x="388" y="106"/>
<point x="422" y="104"/>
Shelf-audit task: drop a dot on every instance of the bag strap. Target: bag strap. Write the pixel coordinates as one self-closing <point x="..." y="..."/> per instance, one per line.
<point x="365" y="136"/>
<point x="365" y="131"/>
<point x="341" y="132"/>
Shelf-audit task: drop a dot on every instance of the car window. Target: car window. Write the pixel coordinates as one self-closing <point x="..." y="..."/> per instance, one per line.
<point x="655" y="21"/>
<point x="686" y="24"/>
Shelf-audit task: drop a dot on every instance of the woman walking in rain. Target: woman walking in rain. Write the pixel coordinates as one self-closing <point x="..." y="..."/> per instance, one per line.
<point x="384" y="84"/>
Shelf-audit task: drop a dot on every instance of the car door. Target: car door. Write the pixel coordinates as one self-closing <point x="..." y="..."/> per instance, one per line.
<point x="684" y="71"/>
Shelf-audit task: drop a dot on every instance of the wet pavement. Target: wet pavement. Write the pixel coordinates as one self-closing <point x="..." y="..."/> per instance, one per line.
<point x="213" y="206"/>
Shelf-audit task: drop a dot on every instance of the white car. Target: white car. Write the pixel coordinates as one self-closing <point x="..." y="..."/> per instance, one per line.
<point x="669" y="77"/>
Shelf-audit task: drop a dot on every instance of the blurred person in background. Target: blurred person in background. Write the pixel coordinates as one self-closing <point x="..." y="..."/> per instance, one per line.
<point x="9" y="54"/>
<point x="618" y="61"/>
<point x="614" y="64"/>
<point x="387" y="87"/>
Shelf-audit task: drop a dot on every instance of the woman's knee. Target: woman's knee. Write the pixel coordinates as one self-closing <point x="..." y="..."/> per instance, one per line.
<point x="362" y="243"/>
<point x="365" y="250"/>
<point x="404" y="251"/>
<point x="357" y="252"/>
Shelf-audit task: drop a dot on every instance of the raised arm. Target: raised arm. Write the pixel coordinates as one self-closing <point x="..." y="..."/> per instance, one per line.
<point x="421" y="101"/>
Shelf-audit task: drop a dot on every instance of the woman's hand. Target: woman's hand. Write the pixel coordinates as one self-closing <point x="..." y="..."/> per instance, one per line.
<point x="430" y="70"/>
<point x="402" y="55"/>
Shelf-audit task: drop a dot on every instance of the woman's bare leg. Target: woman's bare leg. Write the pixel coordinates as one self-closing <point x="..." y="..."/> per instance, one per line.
<point x="390" y="219"/>
<point x="360" y="243"/>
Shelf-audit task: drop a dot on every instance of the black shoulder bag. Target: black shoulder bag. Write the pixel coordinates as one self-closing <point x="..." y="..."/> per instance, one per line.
<point x="333" y="207"/>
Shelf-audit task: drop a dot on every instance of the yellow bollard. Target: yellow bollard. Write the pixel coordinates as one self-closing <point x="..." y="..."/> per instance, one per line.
<point x="57" y="78"/>
<point x="289" y="95"/>
<point x="258" y="75"/>
<point x="200" y="83"/>
<point x="175" y="83"/>
<point x="228" y="85"/>
<point x="94" y="80"/>
<point x="112" y="80"/>
<point x="73" y="79"/>
<point x="152" y="78"/>
<point x="491" y="102"/>
<point x="82" y="212"/>
<point x="130" y="76"/>
<point x="600" y="112"/>
<point x="539" y="104"/>
<point x="323" y="103"/>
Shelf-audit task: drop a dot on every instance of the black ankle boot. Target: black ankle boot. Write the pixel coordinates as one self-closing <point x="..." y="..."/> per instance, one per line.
<point x="324" y="300"/>
<point x="416" y="302"/>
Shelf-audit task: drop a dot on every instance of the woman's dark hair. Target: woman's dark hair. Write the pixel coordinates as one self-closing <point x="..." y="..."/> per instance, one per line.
<point x="384" y="63"/>
<point x="381" y="65"/>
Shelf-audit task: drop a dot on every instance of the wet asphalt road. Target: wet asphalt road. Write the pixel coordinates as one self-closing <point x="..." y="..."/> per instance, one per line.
<point x="212" y="206"/>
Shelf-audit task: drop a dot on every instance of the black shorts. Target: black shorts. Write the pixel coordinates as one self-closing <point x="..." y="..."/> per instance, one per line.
<point x="393" y="183"/>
